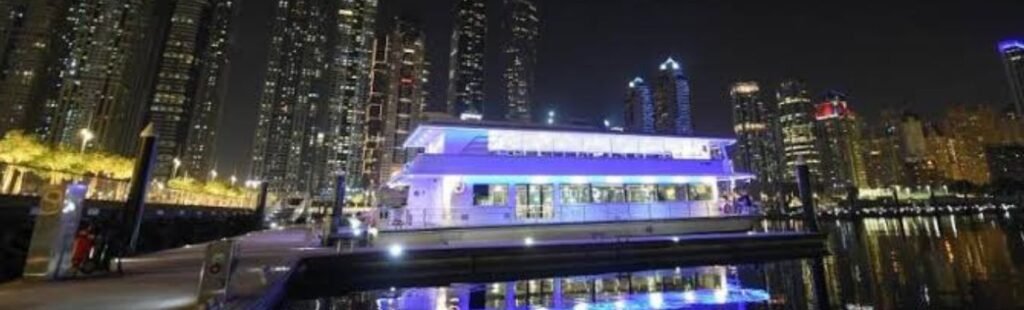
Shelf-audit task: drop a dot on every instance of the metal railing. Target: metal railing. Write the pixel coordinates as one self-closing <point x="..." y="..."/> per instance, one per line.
<point x="400" y="219"/>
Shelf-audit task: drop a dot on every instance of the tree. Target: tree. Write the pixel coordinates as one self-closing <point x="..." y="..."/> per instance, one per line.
<point x="16" y="150"/>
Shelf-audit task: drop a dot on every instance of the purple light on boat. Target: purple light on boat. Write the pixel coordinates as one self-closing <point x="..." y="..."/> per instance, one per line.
<point x="1010" y="44"/>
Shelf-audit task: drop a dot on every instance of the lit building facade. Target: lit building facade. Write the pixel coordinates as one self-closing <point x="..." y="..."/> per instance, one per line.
<point x="972" y="128"/>
<point x="398" y="99"/>
<point x="672" y="114"/>
<point x="796" y="129"/>
<point x="211" y="87"/>
<point x="496" y="174"/>
<point x="350" y="40"/>
<point x="1007" y="162"/>
<point x="842" y="165"/>
<point x="755" y="149"/>
<point x="1012" y="52"/>
<point x="288" y="143"/>
<point x="27" y="55"/>
<point x="466" y="66"/>
<point x="98" y="40"/>
<point x="520" y="53"/>
<point x="189" y="84"/>
<point x="639" y="112"/>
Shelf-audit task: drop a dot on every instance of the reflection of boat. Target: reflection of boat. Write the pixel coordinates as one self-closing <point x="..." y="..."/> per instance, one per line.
<point x="661" y="289"/>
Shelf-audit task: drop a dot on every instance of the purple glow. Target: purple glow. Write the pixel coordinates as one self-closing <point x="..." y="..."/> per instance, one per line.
<point x="1010" y="44"/>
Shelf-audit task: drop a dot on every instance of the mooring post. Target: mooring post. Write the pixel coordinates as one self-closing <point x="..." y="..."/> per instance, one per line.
<point x="134" y="209"/>
<point x="337" y="210"/>
<point x="261" y="206"/>
<point x="803" y="181"/>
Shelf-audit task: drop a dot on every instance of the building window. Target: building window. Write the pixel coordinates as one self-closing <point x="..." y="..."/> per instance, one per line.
<point x="608" y="193"/>
<point x="490" y="195"/>
<point x="640" y="192"/>
<point x="573" y="194"/>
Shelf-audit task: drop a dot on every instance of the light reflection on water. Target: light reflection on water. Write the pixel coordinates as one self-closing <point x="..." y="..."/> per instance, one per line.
<point x="922" y="262"/>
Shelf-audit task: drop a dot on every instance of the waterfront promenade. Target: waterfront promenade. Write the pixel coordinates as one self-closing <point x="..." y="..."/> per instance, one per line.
<point x="168" y="279"/>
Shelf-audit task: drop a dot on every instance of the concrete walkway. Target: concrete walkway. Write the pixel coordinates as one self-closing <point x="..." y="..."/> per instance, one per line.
<point x="169" y="279"/>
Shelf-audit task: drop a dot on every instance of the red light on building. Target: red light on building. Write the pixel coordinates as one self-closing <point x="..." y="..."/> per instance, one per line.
<point x="830" y="109"/>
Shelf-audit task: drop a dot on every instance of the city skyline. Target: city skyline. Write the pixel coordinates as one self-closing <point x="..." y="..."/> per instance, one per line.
<point x="582" y="82"/>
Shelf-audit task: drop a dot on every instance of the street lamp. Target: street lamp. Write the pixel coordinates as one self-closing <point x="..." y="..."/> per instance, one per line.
<point x="87" y="136"/>
<point x="233" y="180"/>
<point x="213" y="174"/>
<point x="177" y="164"/>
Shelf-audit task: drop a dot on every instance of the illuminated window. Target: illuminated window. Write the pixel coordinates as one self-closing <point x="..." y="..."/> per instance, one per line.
<point x="490" y="195"/>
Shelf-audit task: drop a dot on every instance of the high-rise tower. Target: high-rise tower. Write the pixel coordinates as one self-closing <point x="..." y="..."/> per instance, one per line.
<point x="27" y="55"/>
<point x="755" y="150"/>
<point x="398" y="98"/>
<point x="350" y="42"/>
<point x="311" y="115"/>
<point x="295" y="90"/>
<point x="672" y="100"/>
<point x="1012" y="52"/>
<point x="639" y="116"/>
<point x="466" y="65"/>
<point x="189" y="84"/>
<point x="523" y="25"/>
<point x="839" y="132"/>
<point x="795" y="114"/>
<point x="98" y="42"/>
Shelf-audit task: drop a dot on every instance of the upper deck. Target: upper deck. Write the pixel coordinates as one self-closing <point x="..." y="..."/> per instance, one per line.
<point x="477" y="139"/>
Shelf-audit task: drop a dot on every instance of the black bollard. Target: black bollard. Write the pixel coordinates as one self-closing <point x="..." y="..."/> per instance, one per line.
<point x="803" y="181"/>
<point x="337" y="211"/>
<point x="261" y="206"/>
<point x="135" y="206"/>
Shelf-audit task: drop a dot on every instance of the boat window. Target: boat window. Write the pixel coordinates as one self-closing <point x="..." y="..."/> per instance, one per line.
<point x="490" y="194"/>
<point x="605" y="193"/>
<point x="640" y="192"/>
<point x="700" y="192"/>
<point x="575" y="194"/>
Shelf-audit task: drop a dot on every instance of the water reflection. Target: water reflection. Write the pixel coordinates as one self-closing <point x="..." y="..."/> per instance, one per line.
<point x="923" y="262"/>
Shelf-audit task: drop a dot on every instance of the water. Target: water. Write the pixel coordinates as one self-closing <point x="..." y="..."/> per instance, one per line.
<point x="941" y="262"/>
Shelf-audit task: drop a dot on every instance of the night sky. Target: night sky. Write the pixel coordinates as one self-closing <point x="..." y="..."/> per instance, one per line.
<point x="915" y="54"/>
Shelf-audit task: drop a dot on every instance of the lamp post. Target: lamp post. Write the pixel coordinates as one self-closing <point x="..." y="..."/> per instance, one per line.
<point x="213" y="174"/>
<point x="177" y="164"/>
<point x="86" y="136"/>
<point x="233" y="180"/>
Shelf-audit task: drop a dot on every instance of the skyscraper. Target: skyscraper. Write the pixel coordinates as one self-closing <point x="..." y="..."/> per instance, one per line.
<point x="466" y="65"/>
<point x="639" y="116"/>
<point x="796" y="126"/>
<point x="189" y="84"/>
<point x="211" y="89"/>
<point x="27" y="55"/>
<point x="399" y="97"/>
<point x="973" y="128"/>
<point x="351" y="44"/>
<point x="295" y="89"/>
<point x="1013" y="60"/>
<point x="520" y="53"/>
<point x="842" y="165"/>
<point x="755" y="150"/>
<point x="672" y="100"/>
<point x="310" y="125"/>
<point x="98" y="41"/>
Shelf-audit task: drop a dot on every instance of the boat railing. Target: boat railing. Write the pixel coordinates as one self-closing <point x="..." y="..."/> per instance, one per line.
<point x="398" y="219"/>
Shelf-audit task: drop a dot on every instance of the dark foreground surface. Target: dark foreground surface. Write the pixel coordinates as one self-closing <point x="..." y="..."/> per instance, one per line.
<point x="944" y="262"/>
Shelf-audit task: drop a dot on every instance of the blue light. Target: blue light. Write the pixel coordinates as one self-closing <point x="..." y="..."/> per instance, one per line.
<point x="1011" y="44"/>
